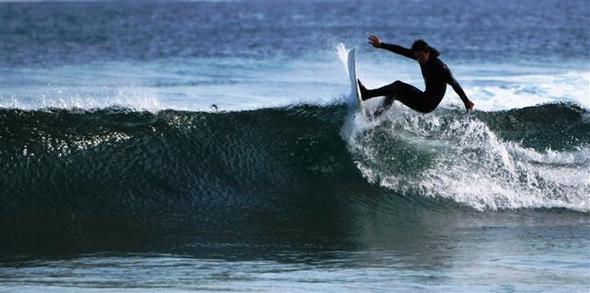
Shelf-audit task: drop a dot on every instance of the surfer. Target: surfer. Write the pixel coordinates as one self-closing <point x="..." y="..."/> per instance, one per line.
<point x="436" y="76"/>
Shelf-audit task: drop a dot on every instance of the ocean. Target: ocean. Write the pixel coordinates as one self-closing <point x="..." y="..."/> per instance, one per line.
<point x="211" y="146"/>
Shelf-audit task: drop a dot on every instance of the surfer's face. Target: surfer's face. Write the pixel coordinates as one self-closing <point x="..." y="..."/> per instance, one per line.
<point x="422" y="56"/>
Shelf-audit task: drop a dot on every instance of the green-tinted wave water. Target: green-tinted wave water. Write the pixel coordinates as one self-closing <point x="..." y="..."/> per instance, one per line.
<point x="79" y="172"/>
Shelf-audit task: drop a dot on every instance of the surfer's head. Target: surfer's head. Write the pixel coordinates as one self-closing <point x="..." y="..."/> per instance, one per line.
<point x="423" y="51"/>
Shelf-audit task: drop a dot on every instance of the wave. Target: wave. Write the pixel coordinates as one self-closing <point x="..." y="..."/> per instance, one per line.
<point x="116" y="159"/>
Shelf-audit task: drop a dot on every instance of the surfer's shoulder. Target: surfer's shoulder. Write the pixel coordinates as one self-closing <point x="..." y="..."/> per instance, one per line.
<point x="440" y="64"/>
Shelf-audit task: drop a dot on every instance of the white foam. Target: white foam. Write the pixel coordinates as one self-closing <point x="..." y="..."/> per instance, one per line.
<point x="139" y="98"/>
<point x="527" y="89"/>
<point x="469" y="164"/>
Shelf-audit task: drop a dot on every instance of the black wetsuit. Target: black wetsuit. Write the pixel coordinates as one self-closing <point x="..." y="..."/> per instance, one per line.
<point x="436" y="76"/>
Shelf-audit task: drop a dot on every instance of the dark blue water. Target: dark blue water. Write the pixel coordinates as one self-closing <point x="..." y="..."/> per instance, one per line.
<point x="117" y="173"/>
<point x="57" y="33"/>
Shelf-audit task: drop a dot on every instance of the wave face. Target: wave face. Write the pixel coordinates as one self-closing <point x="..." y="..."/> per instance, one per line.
<point x="532" y="157"/>
<point x="282" y="166"/>
<point x="88" y="172"/>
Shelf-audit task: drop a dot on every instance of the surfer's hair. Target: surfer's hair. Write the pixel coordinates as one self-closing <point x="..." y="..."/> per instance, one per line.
<point x="421" y="45"/>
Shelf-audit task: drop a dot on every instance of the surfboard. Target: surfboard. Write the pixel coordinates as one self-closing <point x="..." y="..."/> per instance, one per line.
<point x="356" y="90"/>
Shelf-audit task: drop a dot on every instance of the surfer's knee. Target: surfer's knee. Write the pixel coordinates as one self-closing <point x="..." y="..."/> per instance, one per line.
<point x="396" y="84"/>
<point x="394" y="87"/>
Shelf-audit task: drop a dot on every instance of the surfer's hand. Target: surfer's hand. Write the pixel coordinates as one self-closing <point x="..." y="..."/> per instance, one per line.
<point x="469" y="106"/>
<point x="375" y="41"/>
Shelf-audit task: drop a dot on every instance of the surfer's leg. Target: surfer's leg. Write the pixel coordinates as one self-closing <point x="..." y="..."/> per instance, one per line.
<point x="388" y="90"/>
<point x="407" y="94"/>
<point x="403" y="92"/>
<point x="415" y="99"/>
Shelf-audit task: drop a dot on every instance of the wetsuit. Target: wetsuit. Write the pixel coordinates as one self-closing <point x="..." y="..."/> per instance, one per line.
<point x="436" y="76"/>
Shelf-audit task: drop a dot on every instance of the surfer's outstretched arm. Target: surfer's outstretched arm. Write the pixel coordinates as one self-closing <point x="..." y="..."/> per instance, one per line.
<point x="376" y="42"/>
<point x="459" y="90"/>
<point x="398" y="50"/>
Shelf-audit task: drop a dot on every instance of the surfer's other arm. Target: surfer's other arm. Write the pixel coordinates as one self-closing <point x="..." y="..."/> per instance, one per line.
<point x="376" y="42"/>
<point x="459" y="90"/>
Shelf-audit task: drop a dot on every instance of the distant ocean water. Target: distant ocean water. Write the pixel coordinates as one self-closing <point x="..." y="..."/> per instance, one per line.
<point x="179" y="146"/>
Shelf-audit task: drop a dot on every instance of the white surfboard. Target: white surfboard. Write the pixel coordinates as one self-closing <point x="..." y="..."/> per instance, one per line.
<point x="356" y="91"/>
